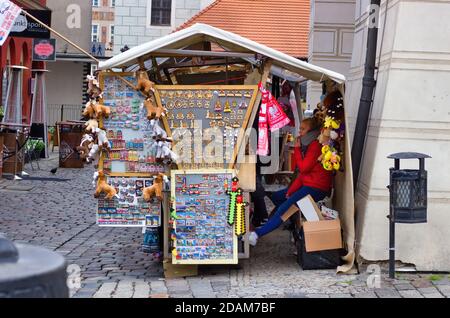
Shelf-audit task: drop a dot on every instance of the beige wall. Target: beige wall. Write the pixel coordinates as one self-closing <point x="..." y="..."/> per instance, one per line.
<point x="65" y="83"/>
<point x="410" y="113"/>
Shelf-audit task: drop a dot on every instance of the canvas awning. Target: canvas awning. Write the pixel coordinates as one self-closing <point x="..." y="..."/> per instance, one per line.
<point x="282" y="63"/>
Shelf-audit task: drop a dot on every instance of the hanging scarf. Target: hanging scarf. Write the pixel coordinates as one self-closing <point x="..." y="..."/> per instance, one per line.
<point x="270" y="115"/>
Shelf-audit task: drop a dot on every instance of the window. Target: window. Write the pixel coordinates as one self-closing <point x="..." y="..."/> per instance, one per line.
<point x="113" y="3"/>
<point x="161" y="12"/>
<point x="95" y="3"/>
<point x="95" y="33"/>
<point x="111" y="34"/>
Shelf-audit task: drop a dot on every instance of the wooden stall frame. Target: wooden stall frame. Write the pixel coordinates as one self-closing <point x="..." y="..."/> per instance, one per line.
<point x="234" y="260"/>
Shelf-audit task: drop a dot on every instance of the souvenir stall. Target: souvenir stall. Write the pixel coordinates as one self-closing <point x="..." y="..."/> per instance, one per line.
<point x="154" y="115"/>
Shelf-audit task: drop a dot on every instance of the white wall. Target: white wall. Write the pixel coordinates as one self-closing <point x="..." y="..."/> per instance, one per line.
<point x="132" y="21"/>
<point x="410" y="113"/>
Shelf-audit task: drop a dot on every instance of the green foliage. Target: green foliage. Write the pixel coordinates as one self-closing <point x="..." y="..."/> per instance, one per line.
<point x="2" y="111"/>
<point x="435" y="277"/>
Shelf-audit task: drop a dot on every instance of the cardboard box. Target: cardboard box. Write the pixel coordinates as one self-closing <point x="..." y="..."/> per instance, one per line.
<point x="322" y="235"/>
<point x="309" y="209"/>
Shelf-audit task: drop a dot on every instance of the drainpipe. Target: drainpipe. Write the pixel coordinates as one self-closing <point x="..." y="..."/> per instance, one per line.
<point x="368" y="86"/>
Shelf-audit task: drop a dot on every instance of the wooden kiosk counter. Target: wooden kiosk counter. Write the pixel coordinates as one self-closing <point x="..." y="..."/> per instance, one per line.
<point x="169" y="121"/>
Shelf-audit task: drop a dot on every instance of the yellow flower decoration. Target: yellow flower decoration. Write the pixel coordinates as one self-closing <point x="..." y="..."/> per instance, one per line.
<point x="331" y="123"/>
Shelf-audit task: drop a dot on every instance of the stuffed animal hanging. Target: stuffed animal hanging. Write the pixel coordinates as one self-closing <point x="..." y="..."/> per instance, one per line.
<point x="153" y="112"/>
<point x="89" y="111"/>
<point x="103" y="187"/>
<point x="94" y="91"/>
<point x="102" y="139"/>
<point x="93" y="153"/>
<point x="156" y="189"/>
<point x="91" y="125"/>
<point x="85" y="145"/>
<point x="101" y="110"/>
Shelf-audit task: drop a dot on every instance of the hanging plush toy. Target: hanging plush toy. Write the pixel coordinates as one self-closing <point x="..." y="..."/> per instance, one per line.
<point x="334" y="105"/>
<point x="91" y="125"/>
<point x="233" y="200"/>
<point x="102" y="140"/>
<point x="93" y="153"/>
<point x="101" y="110"/>
<point x="89" y="111"/>
<point x="156" y="189"/>
<point x="85" y="145"/>
<point x="145" y="86"/>
<point x="330" y="159"/>
<point x="94" y="91"/>
<point x="153" y="112"/>
<point x="332" y="123"/>
<point x="103" y="187"/>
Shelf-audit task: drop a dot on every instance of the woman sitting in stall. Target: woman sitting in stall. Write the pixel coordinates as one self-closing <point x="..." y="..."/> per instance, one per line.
<point x="313" y="179"/>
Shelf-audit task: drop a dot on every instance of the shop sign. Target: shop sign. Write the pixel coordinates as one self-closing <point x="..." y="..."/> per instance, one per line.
<point x="44" y="50"/>
<point x="28" y="28"/>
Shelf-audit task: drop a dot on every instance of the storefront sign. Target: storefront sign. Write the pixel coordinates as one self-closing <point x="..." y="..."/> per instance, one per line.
<point x="28" y="28"/>
<point x="44" y="50"/>
<point x="8" y="14"/>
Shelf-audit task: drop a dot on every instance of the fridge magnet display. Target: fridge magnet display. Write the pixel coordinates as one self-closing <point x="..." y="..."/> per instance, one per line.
<point x="201" y="234"/>
<point x="128" y="207"/>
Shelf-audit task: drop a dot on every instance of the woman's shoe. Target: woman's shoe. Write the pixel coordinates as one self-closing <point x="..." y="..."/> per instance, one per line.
<point x="253" y="238"/>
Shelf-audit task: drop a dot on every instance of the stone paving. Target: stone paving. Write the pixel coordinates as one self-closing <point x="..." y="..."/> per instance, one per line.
<point x="61" y="216"/>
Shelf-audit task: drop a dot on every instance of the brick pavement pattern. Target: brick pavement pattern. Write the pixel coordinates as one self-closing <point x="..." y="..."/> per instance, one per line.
<point x="61" y="216"/>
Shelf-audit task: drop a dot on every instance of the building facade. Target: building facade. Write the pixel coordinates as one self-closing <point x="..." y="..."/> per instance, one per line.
<point x="102" y="36"/>
<point x="18" y="51"/>
<point x="330" y="40"/>
<point x="410" y="113"/>
<point x="140" y="21"/>
<point x="66" y="81"/>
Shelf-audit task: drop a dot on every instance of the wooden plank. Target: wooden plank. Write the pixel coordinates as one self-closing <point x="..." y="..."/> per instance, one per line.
<point x="176" y="53"/>
<point x="246" y="253"/>
<point x="166" y="230"/>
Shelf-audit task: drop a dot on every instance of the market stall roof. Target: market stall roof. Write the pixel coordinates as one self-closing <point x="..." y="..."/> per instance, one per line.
<point x="282" y="63"/>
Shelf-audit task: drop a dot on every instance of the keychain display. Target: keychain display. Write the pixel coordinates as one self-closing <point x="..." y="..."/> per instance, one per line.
<point x="129" y="208"/>
<point x="236" y="209"/>
<point x="199" y="215"/>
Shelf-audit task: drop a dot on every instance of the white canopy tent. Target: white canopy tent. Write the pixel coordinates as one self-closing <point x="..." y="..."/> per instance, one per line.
<point x="284" y="66"/>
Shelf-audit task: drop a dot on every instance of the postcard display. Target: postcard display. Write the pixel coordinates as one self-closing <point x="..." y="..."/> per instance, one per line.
<point x="201" y="234"/>
<point x="130" y="163"/>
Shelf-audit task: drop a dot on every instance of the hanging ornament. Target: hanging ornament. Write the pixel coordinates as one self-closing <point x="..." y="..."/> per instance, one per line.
<point x="233" y="196"/>
<point x="240" y="228"/>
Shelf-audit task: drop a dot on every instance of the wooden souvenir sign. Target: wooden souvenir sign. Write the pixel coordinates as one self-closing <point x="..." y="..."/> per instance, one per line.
<point x="202" y="107"/>
<point x="128" y="129"/>
<point x="200" y="209"/>
<point x="130" y="209"/>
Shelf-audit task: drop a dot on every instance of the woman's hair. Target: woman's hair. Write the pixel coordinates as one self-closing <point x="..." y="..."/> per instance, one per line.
<point x="311" y="122"/>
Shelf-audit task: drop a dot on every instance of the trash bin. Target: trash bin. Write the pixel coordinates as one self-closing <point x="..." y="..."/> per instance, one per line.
<point x="31" y="272"/>
<point x="70" y="135"/>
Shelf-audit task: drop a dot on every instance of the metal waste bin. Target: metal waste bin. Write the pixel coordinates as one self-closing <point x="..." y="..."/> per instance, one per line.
<point x="31" y="272"/>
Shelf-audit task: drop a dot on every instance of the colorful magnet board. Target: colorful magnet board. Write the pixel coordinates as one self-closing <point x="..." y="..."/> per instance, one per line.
<point x="198" y="108"/>
<point x="128" y="129"/>
<point x="201" y="233"/>
<point x="129" y="209"/>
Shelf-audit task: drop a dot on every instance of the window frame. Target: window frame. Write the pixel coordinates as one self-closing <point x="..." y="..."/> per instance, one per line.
<point x="96" y="5"/>
<point x="160" y="27"/>
<point x="97" y="33"/>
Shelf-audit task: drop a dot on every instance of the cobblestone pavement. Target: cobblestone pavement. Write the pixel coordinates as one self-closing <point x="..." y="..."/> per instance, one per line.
<point x="60" y="216"/>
